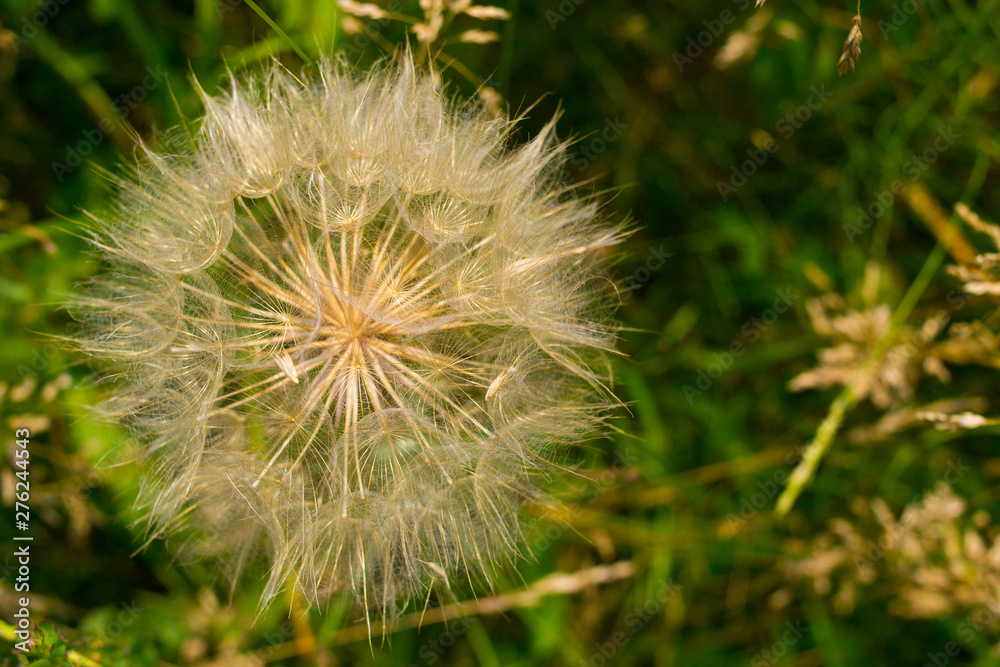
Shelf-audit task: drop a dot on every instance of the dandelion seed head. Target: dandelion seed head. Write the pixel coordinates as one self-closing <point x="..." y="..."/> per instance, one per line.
<point x="351" y="325"/>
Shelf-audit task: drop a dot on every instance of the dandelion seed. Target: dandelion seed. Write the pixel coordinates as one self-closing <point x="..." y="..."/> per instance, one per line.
<point x="287" y="367"/>
<point x="495" y="385"/>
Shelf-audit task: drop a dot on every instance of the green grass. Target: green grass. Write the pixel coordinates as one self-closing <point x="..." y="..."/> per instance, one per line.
<point x="693" y="458"/>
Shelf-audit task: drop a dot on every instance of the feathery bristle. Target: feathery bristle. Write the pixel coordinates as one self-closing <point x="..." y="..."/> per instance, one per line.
<point x="354" y="325"/>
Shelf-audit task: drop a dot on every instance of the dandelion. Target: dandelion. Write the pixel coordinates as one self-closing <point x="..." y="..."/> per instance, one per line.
<point x="352" y="326"/>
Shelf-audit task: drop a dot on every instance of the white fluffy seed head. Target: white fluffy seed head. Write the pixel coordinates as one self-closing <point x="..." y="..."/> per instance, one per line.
<point x="351" y="324"/>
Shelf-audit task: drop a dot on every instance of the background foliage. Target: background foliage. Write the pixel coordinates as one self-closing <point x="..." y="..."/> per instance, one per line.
<point x="670" y="102"/>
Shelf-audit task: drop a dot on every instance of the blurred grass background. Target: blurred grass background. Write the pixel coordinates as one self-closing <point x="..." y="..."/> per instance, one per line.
<point x="662" y="123"/>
